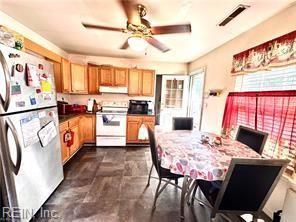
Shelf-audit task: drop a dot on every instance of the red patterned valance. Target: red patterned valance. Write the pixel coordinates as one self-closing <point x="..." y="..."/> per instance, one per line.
<point x="277" y="52"/>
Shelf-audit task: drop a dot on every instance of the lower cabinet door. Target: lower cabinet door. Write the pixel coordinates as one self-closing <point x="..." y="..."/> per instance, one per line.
<point x="76" y="142"/>
<point x="89" y="128"/>
<point x="64" y="148"/>
<point x="132" y="131"/>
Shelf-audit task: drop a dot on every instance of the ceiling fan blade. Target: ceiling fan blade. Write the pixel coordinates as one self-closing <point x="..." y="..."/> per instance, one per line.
<point x="125" y="45"/>
<point x="131" y="11"/>
<point x="90" y="26"/>
<point x="171" y="29"/>
<point x="157" y="44"/>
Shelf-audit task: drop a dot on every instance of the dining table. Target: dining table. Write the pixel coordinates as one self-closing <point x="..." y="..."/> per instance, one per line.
<point x="184" y="152"/>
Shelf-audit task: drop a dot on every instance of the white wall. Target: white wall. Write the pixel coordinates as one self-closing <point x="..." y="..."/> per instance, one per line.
<point x="159" y="67"/>
<point x="30" y="34"/>
<point x="218" y="66"/>
<point x="218" y="62"/>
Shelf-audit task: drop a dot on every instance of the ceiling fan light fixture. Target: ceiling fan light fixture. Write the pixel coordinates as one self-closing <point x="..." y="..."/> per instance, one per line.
<point x="137" y="43"/>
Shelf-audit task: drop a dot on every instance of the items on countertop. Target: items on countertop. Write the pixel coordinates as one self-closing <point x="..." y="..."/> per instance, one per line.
<point x="141" y="107"/>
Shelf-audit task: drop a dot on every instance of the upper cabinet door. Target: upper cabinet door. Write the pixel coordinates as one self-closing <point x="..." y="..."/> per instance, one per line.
<point x="93" y="79"/>
<point x="135" y="82"/>
<point x="106" y="74"/>
<point x="120" y="77"/>
<point x="79" y="78"/>
<point x="148" y="78"/>
<point x="57" y="76"/>
<point x="66" y="76"/>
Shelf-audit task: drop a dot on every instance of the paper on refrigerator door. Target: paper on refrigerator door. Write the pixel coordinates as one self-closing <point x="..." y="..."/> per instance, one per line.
<point x="30" y="126"/>
<point x="47" y="133"/>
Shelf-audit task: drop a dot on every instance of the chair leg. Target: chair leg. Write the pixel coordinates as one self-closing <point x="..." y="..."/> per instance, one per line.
<point x="148" y="183"/>
<point x="194" y="193"/>
<point x="156" y="194"/>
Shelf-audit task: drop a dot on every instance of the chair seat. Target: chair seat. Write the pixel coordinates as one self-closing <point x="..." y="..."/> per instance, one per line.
<point x="166" y="173"/>
<point x="210" y="189"/>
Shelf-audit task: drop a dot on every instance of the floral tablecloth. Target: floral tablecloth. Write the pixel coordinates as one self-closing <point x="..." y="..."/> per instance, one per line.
<point x="182" y="152"/>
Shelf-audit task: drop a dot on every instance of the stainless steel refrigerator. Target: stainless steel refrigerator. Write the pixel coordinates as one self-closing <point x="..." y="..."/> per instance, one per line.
<point x="30" y="154"/>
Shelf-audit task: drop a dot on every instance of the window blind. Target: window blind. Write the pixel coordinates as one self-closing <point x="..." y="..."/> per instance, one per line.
<point x="275" y="115"/>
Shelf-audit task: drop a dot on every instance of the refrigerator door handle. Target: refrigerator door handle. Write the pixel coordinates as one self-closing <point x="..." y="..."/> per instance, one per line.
<point x="17" y="165"/>
<point x="5" y="102"/>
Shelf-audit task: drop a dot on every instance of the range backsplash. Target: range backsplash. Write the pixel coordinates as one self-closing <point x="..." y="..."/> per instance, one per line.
<point x="82" y="99"/>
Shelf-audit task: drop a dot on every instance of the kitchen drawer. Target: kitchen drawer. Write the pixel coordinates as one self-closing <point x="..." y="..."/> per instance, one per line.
<point x="74" y="122"/>
<point x="134" y="118"/>
<point x="64" y="126"/>
<point x="148" y="118"/>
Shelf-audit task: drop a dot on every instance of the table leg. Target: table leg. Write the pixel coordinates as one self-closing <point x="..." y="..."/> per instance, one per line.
<point x="183" y="195"/>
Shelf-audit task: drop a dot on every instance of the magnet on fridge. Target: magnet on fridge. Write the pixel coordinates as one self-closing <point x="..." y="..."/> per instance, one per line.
<point x="46" y="96"/>
<point x="44" y="76"/>
<point x="40" y="66"/>
<point x="38" y="90"/>
<point x="16" y="89"/>
<point x="33" y="100"/>
<point x="20" y="103"/>
<point x="19" y="67"/>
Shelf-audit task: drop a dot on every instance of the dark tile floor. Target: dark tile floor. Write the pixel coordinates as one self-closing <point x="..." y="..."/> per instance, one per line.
<point x="109" y="185"/>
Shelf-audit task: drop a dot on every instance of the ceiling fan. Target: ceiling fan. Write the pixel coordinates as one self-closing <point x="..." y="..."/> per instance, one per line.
<point x="140" y="31"/>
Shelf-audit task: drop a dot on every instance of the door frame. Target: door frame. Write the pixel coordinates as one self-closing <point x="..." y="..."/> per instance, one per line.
<point x="201" y="70"/>
<point x="185" y="97"/>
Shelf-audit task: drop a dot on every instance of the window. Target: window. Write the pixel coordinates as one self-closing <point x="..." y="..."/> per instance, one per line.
<point x="276" y="79"/>
<point x="272" y="112"/>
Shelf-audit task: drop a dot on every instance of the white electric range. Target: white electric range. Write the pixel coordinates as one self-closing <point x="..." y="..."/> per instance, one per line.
<point x="111" y="124"/>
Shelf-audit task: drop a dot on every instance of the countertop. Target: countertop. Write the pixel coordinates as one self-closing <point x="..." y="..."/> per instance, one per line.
<point x="64" y="118"/>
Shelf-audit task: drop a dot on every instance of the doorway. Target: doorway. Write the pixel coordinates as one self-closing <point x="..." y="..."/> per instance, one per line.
<point x="174" y="98"/>
<point x="195" y="101"/>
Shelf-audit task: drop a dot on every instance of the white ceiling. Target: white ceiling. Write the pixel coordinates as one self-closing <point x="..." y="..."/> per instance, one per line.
<point x="59" y="21"/>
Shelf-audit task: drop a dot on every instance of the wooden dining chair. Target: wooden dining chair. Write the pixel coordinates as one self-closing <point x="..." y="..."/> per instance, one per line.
<point x="182" y="123"/>
<point x="252" y="138"/>
<point x="247" y="186"/>
<point x="164" y="175"/>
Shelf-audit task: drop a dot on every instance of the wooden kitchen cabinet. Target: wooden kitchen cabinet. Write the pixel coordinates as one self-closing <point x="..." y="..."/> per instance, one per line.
<point x="79" y="80"/>
<point x="133" y="125"/>
<point x="93" y="79"/>
<point x="66" y="76"/>
<point x="65" y="151"/>
<point x="148" y="79"/>
<point x="89" y="128"/>
<point x="141" y="82"/>
<point x="76" y="143"/>
<point x="57" y="76"/>
<point x="135" y="82"/>
<point x="120" y="76"/>
<point x="106" y="75"/>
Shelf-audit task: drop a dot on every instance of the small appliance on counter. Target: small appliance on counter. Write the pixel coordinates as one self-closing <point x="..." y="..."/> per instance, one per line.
<point x="90" y="104"/>
<point x="75" y="108"/>
<point x="138" y="107"/>
<point x="62" y="107"/>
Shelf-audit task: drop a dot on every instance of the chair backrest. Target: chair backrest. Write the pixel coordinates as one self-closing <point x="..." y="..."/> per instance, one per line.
<point x="182" y="123"/>
<point x="248" y="184"/>
<point x="153" y="149"/>
<point x="253" y="138"/>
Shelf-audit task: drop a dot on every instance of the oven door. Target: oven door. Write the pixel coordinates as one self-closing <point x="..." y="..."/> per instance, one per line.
<point x="113" y="125"/>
